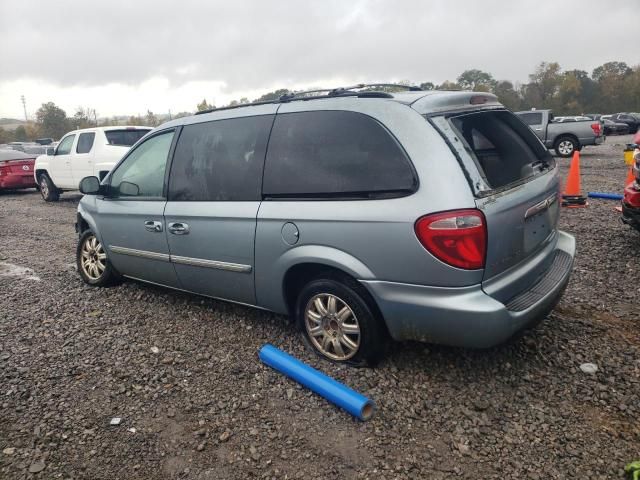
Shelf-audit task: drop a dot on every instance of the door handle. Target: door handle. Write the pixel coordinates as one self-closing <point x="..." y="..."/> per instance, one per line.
<point x="152" y="226"/>
<point x="538" y="129"/>
<point x="178" y="228"/>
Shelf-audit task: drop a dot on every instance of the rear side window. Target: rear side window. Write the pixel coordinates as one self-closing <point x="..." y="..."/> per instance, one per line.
<point x="220" y="160"/>
<point x="124" y="138"/>
<point x="335" y="154"/>
<point x="85" y="142"/>
<point x="531" y="118"/>
<point x="505" y="151"/>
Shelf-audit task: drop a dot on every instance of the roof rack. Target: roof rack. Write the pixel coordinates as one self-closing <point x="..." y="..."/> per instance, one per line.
<point x="352" y="91"/>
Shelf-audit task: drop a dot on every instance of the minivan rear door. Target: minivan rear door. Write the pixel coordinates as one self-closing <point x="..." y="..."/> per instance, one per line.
<point x="516" y="187"/>
<point x="214" y="196"/>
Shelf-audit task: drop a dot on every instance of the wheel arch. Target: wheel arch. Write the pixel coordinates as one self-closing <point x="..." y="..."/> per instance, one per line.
<point x="562" y="136"/>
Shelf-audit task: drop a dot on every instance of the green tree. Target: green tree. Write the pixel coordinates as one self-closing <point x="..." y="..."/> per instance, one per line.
<point x="611" y="69"/>
<point x="203" y="105"/>
<point x="151" y="120"/>
<point x="5" y="136"/>
<point x="20" y="134"/>
<point x="476" y="80"/>
<point x="275" y="95"/>
<point x="507" y="95"/>
<point x="546" y="81"/>
<point x="83" y="118"/>
<point x="427" y="86"/>
<point x="52" y="121"/>
<point x="447" y="85"/>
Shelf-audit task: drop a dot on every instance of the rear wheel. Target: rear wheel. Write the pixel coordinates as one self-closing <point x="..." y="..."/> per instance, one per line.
<point x="338" y="323"/>
<point x="93" y="265"/>
<point x="565" y="146"/>
<point x="48" y="190"/>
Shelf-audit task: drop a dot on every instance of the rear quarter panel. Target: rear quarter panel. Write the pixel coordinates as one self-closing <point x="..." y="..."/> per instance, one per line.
<point x="369" y="239"/>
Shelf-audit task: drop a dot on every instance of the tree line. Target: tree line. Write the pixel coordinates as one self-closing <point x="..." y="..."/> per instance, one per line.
<point x="610" y="88"/>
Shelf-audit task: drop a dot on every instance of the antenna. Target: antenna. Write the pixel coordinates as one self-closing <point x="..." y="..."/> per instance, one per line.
<point x="24" y="107"/>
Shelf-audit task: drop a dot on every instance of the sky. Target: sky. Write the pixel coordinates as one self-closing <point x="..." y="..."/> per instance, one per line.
<point x="127" y="57"/>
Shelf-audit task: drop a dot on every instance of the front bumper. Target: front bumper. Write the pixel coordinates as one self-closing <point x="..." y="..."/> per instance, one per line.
<point x="16" y="181"/>
<point x="467" y="316"/>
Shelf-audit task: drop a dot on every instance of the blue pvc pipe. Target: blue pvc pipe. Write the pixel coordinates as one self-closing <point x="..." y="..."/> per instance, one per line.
<point x="356" y="404"/>
<point x="606" y="196"/>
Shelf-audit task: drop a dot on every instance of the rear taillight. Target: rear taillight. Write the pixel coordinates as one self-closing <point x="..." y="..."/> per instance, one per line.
<point x="597" y="128"/>
<point x="458" y="237"/>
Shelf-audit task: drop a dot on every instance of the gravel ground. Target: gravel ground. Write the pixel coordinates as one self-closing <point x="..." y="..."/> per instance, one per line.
<point x="183" y="375"/>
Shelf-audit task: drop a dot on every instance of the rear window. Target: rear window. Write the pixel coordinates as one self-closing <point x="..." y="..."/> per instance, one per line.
<point x="531" y="118"/>
<point x="503" y="149"/>
<point x="335" y="154"/>
<point x="124" y="138"/>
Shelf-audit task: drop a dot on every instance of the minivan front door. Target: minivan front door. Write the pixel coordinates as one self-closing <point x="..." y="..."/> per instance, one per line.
<point x="213" y="202"/>
<point x="130" y="217"/>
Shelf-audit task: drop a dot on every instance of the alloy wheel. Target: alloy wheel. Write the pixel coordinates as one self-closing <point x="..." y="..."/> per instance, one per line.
<point x="94" y="260"/>
<point x="332" y="326"/>
<point x="44" y="187"/>
<point x="565" y="147"/>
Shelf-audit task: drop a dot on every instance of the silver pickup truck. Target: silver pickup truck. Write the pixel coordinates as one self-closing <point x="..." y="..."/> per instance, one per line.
<point x="563" y="137"/>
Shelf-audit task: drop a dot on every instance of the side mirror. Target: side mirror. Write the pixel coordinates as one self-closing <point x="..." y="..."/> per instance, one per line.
<point x="90" y="185"/>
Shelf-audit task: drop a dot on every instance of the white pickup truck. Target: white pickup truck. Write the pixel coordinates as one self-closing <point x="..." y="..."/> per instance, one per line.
<point x="82" y="153"/>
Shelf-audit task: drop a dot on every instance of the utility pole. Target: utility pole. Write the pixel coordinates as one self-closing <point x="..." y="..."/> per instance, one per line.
<point x="24" y="107"/>
<point x="95" y="116"/>
<point x="170" y="115"/>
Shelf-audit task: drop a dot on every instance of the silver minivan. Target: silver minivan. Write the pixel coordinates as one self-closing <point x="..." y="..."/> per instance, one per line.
<point x="364" y="215"/>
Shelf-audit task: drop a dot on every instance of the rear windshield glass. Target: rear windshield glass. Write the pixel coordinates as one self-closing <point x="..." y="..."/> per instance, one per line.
<point x="124" y="137"/>
<point x="505" y="151"/>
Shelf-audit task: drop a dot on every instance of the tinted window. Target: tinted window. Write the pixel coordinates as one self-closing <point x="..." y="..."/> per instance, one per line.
<point x="124" y="137"/>
<point x="65" y="145"/>
<point x="504" y="150"/>
<point x="334" y="153"/>
<point x="85" y="142"/>
<point x="141" y="174"/>
<point x="531" y="118"/>
<point x="221" y="160"/>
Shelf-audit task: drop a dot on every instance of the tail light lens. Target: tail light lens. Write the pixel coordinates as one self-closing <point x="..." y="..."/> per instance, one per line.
<point x="596" y="127"/>
<point x="458" y="237"/>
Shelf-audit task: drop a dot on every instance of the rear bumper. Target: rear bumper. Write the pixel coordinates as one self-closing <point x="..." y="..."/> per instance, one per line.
<point x="468" y="316"/>
<point x="16" y="181"/>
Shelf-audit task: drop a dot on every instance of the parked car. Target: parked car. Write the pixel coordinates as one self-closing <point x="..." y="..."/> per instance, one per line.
<point x="633" y="121"/>
<point x="16" y="170"/>
<point x="564" y="139"/>
<point x="422" y="215"/>
<point x="615" y="128"/>
<point x="44" y="141"/>
<point x="91" y="151"/>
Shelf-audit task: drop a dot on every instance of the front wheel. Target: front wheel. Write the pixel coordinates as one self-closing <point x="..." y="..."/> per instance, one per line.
<point x="337" y="322"/>
<point x="48" y="190"/>
<point x="93" y="265"/>
<point x="565" y="146"/>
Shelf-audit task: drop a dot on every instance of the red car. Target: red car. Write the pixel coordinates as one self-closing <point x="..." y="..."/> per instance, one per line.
<point x="16" y="170"/>
<point x="631" y="198"/>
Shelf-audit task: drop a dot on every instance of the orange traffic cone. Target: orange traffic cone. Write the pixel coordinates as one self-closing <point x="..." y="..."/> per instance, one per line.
<point x="572" y="196"/>
<point x="630" y="177"/>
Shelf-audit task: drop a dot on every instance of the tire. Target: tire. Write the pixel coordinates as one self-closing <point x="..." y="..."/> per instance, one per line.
<point x="356" y="336"/>
<point x="47" y="189"/>
<point x="565" y="146"/>
<point x="93" y="265"/>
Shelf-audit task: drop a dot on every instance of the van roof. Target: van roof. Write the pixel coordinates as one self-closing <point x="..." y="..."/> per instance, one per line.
<point x="423" y="101"/>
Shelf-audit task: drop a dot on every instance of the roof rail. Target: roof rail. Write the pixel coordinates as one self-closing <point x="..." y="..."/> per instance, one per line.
<point x="352" y="91"/>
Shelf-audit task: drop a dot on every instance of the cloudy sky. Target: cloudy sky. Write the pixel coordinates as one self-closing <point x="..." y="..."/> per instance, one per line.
<point x="127" y="56"/>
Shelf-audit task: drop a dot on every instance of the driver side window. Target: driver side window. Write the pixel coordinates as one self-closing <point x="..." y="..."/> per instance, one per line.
<point x="64" y="148"/>
<point x="141" y="174"/>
